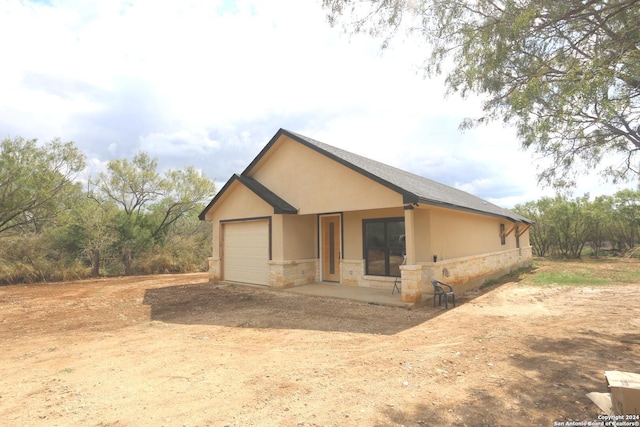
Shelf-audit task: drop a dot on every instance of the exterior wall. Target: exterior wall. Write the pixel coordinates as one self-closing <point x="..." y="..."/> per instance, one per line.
<point x="525" y="241"/>
<point x="300" y="238"/>
<point x="353" y="275"/>
<point x="352" y="229"/>
<point x="298" y="263"/>
<point x="314" y="183"/>
<point x="471" y="272"/>
<point x="353" y="265"/>
<point x="472" y="242"/>
<point x="284" y="274"/>
<point x="215" y="269"/>
<point x="239" y="203"/>
<point x="277" y="233"/>
<point x="462" y="273"/>
<point x="476" y="236"/>
<point x="467" y="246"/>
<point x="422" y="227"/>
<point x="412" y="283"/>
<point x="352" y="272"/>
<point x="455" y="234"/>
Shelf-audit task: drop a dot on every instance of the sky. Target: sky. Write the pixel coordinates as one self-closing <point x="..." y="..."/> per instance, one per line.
<point x="208" y="83"/>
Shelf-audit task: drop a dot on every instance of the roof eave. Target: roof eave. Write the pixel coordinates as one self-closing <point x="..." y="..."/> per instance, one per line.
<point x="472" y="210"/>
<point x="410" y="198"/>
<point x="407" y="196"/>
<point x="266" y="148"/>
<point x="281" y="207"/>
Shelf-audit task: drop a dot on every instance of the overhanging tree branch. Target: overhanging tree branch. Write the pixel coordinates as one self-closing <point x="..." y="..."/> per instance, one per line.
<point x="559" y="71"/>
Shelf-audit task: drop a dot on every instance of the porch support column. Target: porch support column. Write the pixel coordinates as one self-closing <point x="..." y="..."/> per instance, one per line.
<point x="411" y="283"/>
<point x="409" y="235"/>
<point x="411" y="273"/>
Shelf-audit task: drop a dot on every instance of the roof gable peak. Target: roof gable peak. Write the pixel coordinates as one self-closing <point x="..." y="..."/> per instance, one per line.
<point x="414" y="188"/>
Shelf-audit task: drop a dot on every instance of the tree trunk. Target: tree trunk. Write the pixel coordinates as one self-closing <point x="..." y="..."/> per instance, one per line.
<point x="126" y="258"/>
<point x="95" y="262"/>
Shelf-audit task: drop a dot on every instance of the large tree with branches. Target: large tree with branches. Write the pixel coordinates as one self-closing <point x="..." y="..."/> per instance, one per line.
<point x="151" y="203"/>
<point x="36" y="182"/>
<point x="565" y="74"/>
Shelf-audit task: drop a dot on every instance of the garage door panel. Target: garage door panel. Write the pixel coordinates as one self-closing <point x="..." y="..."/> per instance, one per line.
<point x="246" y="252"/>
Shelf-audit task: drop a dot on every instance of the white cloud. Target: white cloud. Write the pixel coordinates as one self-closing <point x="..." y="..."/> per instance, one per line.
<point x="178" y="144"/>
<point x="208" y="83"/>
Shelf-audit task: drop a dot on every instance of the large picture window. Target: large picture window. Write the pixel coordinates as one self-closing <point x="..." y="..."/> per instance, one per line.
<point x="384" y="246"/>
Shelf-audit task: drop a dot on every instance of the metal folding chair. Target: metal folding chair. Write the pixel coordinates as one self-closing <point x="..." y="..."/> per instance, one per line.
<point x="398" y="282"/>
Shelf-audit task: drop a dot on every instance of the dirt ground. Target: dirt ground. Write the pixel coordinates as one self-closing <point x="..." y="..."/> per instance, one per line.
<point x="177" y="351"/>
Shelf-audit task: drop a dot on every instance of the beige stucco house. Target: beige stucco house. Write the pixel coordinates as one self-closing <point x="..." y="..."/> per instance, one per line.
<point x="304" y="212"/>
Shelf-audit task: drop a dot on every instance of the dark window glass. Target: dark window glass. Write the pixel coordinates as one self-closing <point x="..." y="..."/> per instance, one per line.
<point x="375" y="248"/>
<point x="397" y="246"/>
<point x="384" y="246"/>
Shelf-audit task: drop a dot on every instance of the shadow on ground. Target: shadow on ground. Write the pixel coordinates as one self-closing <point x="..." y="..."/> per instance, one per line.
<point x="251" y="307"/>
<point x="255" y="307"/>
<point x="550" y="383"/>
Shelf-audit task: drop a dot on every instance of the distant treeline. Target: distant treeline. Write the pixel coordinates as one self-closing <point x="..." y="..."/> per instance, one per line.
<point x="56" y="223"/>
<point x="571" y="228"/>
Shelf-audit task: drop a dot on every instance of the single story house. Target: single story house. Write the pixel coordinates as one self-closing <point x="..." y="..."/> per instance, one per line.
<point x="304" y="212"/>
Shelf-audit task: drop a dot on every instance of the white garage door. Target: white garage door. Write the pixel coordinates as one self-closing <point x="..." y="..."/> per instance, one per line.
<point x="246" y="252"/>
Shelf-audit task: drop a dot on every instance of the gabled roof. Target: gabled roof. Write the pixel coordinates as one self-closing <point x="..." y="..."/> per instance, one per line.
<point x="280" y="206"/>
<point x="413" y="188"/>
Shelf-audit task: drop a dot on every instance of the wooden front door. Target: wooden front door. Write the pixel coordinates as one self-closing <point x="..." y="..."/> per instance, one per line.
<point x="331" y="245"/>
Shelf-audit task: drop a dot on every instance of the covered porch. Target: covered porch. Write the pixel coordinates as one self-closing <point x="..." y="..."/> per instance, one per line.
<point x="374" y="296"/>
<point x="364" y="249"/>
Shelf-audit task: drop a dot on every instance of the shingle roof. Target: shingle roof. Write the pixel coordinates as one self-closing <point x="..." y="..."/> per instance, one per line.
<point x="414" y="188"/>
<point x="280" y="206"/>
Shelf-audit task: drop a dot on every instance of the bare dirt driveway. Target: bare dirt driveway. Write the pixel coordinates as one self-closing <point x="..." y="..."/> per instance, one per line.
<point x="177" y="351"/>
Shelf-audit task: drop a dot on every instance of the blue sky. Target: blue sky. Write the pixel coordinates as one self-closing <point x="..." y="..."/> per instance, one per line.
<point x="207" y="83"/>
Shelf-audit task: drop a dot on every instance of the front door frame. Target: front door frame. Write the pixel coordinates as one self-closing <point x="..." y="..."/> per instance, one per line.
<point x="330" y="268"/>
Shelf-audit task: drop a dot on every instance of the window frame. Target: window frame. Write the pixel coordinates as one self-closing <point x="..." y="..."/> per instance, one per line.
<point x="387" y="244"/>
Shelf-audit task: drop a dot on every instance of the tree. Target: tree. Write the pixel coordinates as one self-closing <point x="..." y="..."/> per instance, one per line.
<point x="131" y="184"/>
<point x="150" y="202"/>
<point x="566" y="74"/>
<point x="562" y="226"/>
<point x="35" y="182"/>
<point x="570" y="225"/>
<point x="90" y="231"/>
<point x="599" y="214"/>
<point x="625" y="222"/>
<point x="540" y="233"/>
<point x="184" y="192"/>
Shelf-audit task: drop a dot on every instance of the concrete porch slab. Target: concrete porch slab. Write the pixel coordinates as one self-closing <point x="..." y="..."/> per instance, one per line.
<point x="353" y="293"/>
